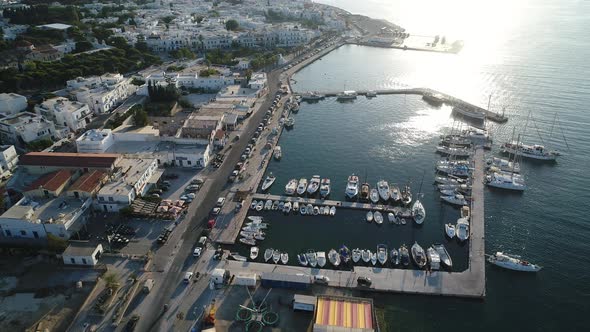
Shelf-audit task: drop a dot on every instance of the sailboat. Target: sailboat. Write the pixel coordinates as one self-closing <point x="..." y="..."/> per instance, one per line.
<point x="535" y="151"/>
<point x="510" y="180"/>
<point x="418" y="211"/>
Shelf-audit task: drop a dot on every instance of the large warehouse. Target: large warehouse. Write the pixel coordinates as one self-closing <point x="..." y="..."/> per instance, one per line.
<point x="337" y="314"/>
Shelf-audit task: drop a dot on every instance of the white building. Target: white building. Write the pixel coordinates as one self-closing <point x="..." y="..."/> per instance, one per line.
<point x="8" y="159"/>
<point x="12" y="103"/>
<point x="101" y="93"/>
<point x="27" y="127"/>
<point x="63" y="112"/>
<point x="188" y="81"/>
<point x="95" y="141"/>
<point x="82" y="254"/>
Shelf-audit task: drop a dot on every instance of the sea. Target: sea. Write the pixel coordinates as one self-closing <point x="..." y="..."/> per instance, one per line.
<point x="527" y="58"/>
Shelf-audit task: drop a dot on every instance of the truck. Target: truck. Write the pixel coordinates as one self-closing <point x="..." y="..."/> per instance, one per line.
<point x="148" y="285"/>
<point x="246" y="279"/>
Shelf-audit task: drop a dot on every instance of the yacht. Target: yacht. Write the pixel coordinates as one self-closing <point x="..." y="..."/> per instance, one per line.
<point x="418" y="255"/>
<point x="291" y="187"/>
<point x="371" y="94"/>
<point x="382" y="254"/>
<point x="404" y="255"/>
<point x="270" y="179"/>
<point x="445" y="258"/>
<point x="509" y="181"/>
<point x="290" y="122"/>
<point x="311" y="257"/>
<point x="503" y="165"/>
<point x="366" y="255"/>
<point x="365" y="189"/>
<point x="433" y="258"/>
<point x="268" y="254"/>
<point x="356" y="255"/>
<point x="406" y="195"/>
<point x="254" y="253"/>
<point x="383" y="188"/>
<point x="346" y="95"/>
<point x="314" y="185"/>
<point x="395" y="194"/>
<point x="469" y="113"/>
<point x="277" y="154"/>
<point x="302" y="259"/>
<point x="454" y="152"/>
<point x="374" y="196"/>
<point x="450" y="230"/>
<point x="418" y="212"/>
<point x="302" y="186"/>
<point x="512" y="262"/>
<point x="334" y="257"/>
<point x="536" y="151"/>
<point x="352" y="187"/>
<point x="284" y="258"/>
<point x="276" y="256"/>
<point x="394" y="257"/>
<point x="457" y="199"/>
<point x="369" y="216"/>
<point x="378" y="217"/>
<point x="321" y="256"/>
<point x="462" y="229"/>
<point x="325" y="188"/>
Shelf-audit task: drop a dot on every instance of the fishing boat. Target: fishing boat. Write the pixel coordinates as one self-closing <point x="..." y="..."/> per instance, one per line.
<point x="406" y="195"/>
<point x="418" y="255"/>
<point x="346" y="95"/>
<point x="512" y="262"/>
<point x="277" y="154"/>
<point x="454" y="152"/>
<point x="268" y="205"/>
<point x="302" y="259"/>
<point x="374" y="196"/>
<point x="356" y="255"/>
<point x="352" y="187"/>
<point x="374" y="258"/>
<point x="433" y="258"/>
<point x="254" y="253"/>
<point x="268" y="254"/>
<point x="383" y="188"/>
<point x="445" y="258"/>
<point x="314" y="185"/>
<point x="311" y="257"/>
<point x="316" y="210"/>
<point x="394" y="257"/>
<point x="290" y="122"/>
<point x="259" y="206"/>
<point x="276" y="256"/>
<point x="332" y="211"/>
<point x="462" y="229"/>
<point x="295" y="207"/>
<point x="507" y="181"/>
<point x="365" y="189"/>
<point x="325" y="188"/>
<point x="382" y="254"/>
<point x="418" y="212"/>
<point x="450" y="230"/>
<point x="395" y="194"/>
<point x="404" y="255"/>
<point x="536" y="151"/>
<point x="237" y="257"/>
<point x="321" y="256"/>
<point x="302" y="186"/>
<point x="248" y="241"/>
<point x="284" y="258"/>
<point x="391" y="217"/>
<point x="344" y="254"/>
<point x="334" y="257"/>
<point x="456" y="199"/>
<point x="369" y="216"/>
<point x="270" y="179"/>
<point x="366" y="255"/>
<point x="291" y="187"/>
<point x="253" y="205"/>
<point x="378" y="217"/>
<point x="470" y="114"/>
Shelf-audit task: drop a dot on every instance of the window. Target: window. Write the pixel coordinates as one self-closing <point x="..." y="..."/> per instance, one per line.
<point x="111" y="199"/>
<point x="73" y="261"/>
<point x="188" y="162"/>
<point x="84" y="261"/>
<point x="8" y="233"/>
<point x="101" y="199"/>
<point x="36" y="235"/>
<point x="23" y="233"/>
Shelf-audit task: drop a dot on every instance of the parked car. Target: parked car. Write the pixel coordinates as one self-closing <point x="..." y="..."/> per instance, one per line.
<point x="321" y="279"/>
<point x="220" y="201"/>
<point x="197" y="252"/>
<point x="197" y="181"/>
<point x="216" y="211"/>
<point x="187" y="277"/>
<point x="364" y="281"/>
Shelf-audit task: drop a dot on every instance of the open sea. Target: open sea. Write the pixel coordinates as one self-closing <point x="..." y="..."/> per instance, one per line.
<point x="531" y="57"/>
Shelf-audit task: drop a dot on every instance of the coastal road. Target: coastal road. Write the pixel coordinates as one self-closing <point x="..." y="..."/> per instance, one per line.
<point x="180" y="259"/>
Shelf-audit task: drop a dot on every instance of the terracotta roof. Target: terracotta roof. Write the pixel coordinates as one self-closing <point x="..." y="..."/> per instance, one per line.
<point x="51" y="181"/>
<point x="71" y="160"/>
<point x="88" y="181"/>
<point x="220" y="134"/>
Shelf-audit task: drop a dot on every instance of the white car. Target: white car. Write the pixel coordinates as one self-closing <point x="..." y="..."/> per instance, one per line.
<point x="220" y="201"/>
<point x="197" y="252"/>
<point x="187" y="277"/>
<point x="191" y="195"/>
<point x="321" y="279"/>
<point x="184" y="197"/>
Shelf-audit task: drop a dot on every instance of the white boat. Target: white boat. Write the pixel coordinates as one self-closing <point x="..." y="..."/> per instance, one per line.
<point x="455" y="152"/>
<point x="383" y="188"/>
<point x="395" y="194"/>
<point x="352" y="187"/>
<point x="457" y="199"/>
<point x="314" y="185"/>
<point x="309" y="208"/>
<point x="302" y="186"/>
<point x="462" y="229"/>
<point x="465" y="212"/>
<point x="284" y="258"/>
<point x="373" y="258"/>
<point x="291" y="187"/>
<point x="356" y="255"/>
<point x="325" y="188"/>
<point x="287" y="207"/>
<point x="277" y="154"/>
<point x="275" y="205"/>
<point x="371" y="94"/>
<point x="332" y="211"/>
<point x="455" y="170"/>
<point x="312" y="258"/>
<point x="268" y="205"/>
<point x="276" y="256"/>
<point x="237" y="257"/>
<point x="450" y="230"/>
<point x="253" y="205"/>
<point x="256" y="219"/>
<point x="391" y="217"/>
<point x="334" y="257"/>
<point x="326" y="210"/>
<point x="457" y="187"/>
<point x="322" y="210"/>
<point x="445" y="258"/>
<point x="406" y="195"/>
<point x="248" y="241"/>
<point x="295" y="206"/>
<point x="469" y="113"/>
<point x="433" y="258"/>
<point x="374" y="196"/>
<point x="268" y="254"/>
<point x="316" y="210"/>
<point x="303" y="210"/>
<point x="448" y="180"/>
<point x="259" y="206"/>
<point x="418" y="255"/>
<point x="321" y="257"/>
<point x="418" y="212"/>
<point x="254" y="253"/>
<point x="382" y="254"/>
<point x="369" y="216"/>
<point x="512" y="262"/>
<point x="394" y="257"/>
<point x="366" y="255"/>
<point x="270" y="179"/>
<point x="504" y="165"/>
<point x="290" y="122"/>
<point x="346" y="95"/>
<point x="508" y="181"/>
<point x="536" y="151"/>
<point x="378" y="217"/>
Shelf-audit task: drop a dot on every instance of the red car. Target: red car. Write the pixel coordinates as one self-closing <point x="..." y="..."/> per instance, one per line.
<point x="211" y="223"/>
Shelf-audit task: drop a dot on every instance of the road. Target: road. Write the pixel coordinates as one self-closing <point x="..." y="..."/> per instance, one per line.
<point x="171" y="276"/>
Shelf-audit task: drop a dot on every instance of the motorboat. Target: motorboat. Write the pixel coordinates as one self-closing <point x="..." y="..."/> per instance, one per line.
<point x="536" y="151"/>
<point x="255" y="219"/>
<point x="321" y="256"/>
<point x="459" y="170"/>
<point x="334" y="257"/>
<point x="365" y="189"/>
<point x="418" y="212"/>
<point x="369" y="216"/>
<point x="462" y="229"/>
<point x="356" y="255"/>
<point x="284" y="258"/>
<point x="374" y="258"/>
<point x="371" y="94"/>
<point x="449" y="192"/>
<point x="391" y="217"/>
<point x="295" y="206"/>
<point x="326" y="210"/>
<point x="508" y="181"/>
<point x="303" y="210"/>
<point x="268" y="205"/>
<point x="394" y="257"/>
<point x="395" y="194"/>
<point x="378" y="217"/>
<point x="287" y="207"/>
<point x="248" y="241"/>
<point x="403" y="221"/>
<point x="454" y="152"/>
<point x="448" y="180"/>
<point x="281" y="206"/>
<point x="374" y="196"/>
<point x="289" y="123"/>
<point x="366" y="255"/>
<point x="275" y="205"/>
<point x="433" y="258"/>
<point x="291" y="187"/>
<point x="302" y="259"/>
<point x="344" y="254"/>
<point x="512" y="262"/>
<point x="325" y="188"/>
<point x="463" y="188"/>
<point x="277" y="153"/>
<point x="450" y="230"/>
<point x="382" y="254"/>
<point x="406" y="195"/>
<point x="383" y="188"/>
<point x="470" y="114"/>
<point x="503" y="165"/>
<point x="418" y="255"/>
<point x="346" y="95"/>
<point x="322" y="210"/>
<point x="404" y="255"/>
<point x="253" y="205"/>
<point x="332" y="211"/>
<point x="270" y="179"/>
<point x="276" y="256"/>
<point x="314" y="185"/>
<point x="456" y="199"/>
<point x="311" y="258"/>
<point x="316" y="210"/>
<point x="259" y="206"/>
<point x="352" y="187"/>
<point x="445" y="258"/>
<point x="302" y="186"/>
<point x="237" y="257"/>
<point x="465" y="212"/>
<point x="447" y="162"/>
<point x="254" y="253"/>
<point x="312" y="96"/>
<point x="268" y="254"/>
<point x="309" y="208"/>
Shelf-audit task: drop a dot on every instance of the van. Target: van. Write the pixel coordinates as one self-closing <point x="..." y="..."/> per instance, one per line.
<point x="187" y="277"/>
<point x="148" y="285"/>
<point x="202" y="241"/>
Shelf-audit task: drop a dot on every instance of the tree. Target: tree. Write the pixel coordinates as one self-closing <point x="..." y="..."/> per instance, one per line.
<point x="83" y="46"/>
<point x="140" y="118"/>
<point x="232" y="25"/>
<point x="111" y="280"/>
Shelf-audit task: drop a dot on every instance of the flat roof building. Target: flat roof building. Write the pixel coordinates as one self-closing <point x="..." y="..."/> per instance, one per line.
<point x="44" y="162"/>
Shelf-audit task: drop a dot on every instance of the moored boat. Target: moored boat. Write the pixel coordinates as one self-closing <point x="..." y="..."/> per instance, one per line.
<point x="374" y="258"/>
<point x="378" y="217"/>
<point x="369" y="216"/>
<point x="462" y="229"/>
<point x="418" y="255"/>
<point x="268" y="205"/>
<point x="346" y="95"/>
<point x="259" y="206"/>
<point x="277" y="153"/>
<point x="314" y="185"/>
<point x="302" y="259"/>
<point x="301" y="186"/>
<point x="382" y="254"/>
<point x="237" y="257"/>
<point x="291" y="187"/>
<point x="445" y="258"/>
<point x="356" y="255"/>
<point x="311" y="258"/>
<point x="268" y="254"/>
<point x="395" y="194"/>
<point x="404" y="255"/>
<point x="284" y="258"/>
<point x="391" y="217"/>
<point x="512" y="262"/>
<point x="332" y="211"/>
<point x="352" y="187"/>
<point x="418" y="212"/>
<point x="365" y="189"/>
<point x="253" y="205"/>
<point x="394" y="257"/>
<point x="270" y="179"/>
<point x="287" y="207"/>
<point x="334" y="257"/>
<point x="374" y="196"/>
<point x="295" y="206"/>
<point x="456" y="199"/>
<point x="254" y="253"/>
<point x="366" y="255"/>
<point x="383" y="188"/>
<point x="536" y="151"/>
<point x="276" y="256"/>
<point x="325" y="188"/>
<point x="406" y="194"/>
<point x="450" y="230"/>
<point x="321" y="257"/>
<point x="433" y="258"/>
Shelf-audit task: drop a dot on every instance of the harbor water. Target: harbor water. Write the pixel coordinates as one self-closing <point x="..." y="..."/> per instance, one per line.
<point x="530" y="67"/>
